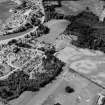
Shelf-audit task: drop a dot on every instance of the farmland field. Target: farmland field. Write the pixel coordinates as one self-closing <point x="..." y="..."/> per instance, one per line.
<point x="4" y="9"/>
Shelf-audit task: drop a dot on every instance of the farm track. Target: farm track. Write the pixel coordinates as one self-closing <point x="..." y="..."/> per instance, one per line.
<point x="81" y="75"/>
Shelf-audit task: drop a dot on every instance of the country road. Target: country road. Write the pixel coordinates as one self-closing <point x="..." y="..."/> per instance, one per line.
<point x="15" y="36"/>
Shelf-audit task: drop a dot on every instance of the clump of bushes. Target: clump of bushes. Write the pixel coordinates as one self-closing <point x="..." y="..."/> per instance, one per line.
<point x="89" y="31"/>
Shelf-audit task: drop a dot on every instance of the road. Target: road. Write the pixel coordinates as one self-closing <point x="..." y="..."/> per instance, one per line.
<point x="4" y="39"/>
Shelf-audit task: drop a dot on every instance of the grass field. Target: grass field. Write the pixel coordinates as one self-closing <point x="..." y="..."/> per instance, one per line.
<point x="4" y="9"/>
